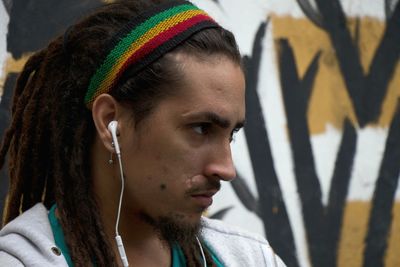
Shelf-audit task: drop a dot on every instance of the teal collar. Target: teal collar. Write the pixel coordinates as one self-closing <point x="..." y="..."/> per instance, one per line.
<point x="59" y="235"/>
<point x="178" y="258"/>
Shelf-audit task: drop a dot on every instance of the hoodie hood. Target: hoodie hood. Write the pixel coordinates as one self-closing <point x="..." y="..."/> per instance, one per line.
<point x="28" y="240"/>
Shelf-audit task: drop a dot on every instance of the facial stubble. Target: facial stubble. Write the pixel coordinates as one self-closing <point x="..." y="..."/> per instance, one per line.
<point x="174" y="228"/>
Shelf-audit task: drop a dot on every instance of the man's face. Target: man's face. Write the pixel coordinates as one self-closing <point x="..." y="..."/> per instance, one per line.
<point x="176" y="157"/>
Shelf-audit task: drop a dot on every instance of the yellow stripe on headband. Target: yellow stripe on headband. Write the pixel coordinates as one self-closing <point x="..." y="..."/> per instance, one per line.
<point x="145" y="39"/>
<point x="153" y="32"/>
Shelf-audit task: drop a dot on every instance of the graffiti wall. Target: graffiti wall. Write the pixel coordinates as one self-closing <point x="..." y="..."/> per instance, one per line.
<point x="319" y="159"/>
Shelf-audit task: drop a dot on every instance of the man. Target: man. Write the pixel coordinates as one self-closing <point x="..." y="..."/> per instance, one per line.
<point x="121" y="130"/>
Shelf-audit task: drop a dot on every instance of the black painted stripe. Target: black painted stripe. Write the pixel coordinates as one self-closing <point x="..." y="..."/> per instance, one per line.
<point x="296" y="103"/>
<point x="367" y="92"/>
<point x="384" y="196"/>
<point x="339" y="187"/>
<point x="335" y="25"/>
<point x="272" y="206"/>
<point x="382" y="67"/>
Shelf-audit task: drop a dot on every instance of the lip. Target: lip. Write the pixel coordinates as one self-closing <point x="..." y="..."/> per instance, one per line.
<point x="204" y="199"/>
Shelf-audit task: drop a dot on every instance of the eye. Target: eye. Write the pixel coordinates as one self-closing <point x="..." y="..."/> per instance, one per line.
<point x="233" y="135"/>
<point x="202" y="128"/>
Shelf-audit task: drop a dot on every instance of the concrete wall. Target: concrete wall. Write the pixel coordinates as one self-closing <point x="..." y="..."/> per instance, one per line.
<point x="319" y="159"/>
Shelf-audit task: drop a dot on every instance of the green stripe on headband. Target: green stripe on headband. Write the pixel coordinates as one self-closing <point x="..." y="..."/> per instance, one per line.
<point x="153" y="25"/>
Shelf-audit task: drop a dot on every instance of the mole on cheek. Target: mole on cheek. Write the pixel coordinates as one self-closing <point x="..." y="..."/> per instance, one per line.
<point x="163" y="187"/>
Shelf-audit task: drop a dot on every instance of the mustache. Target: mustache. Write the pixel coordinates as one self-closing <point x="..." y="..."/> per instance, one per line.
<point x="213" y="185"/>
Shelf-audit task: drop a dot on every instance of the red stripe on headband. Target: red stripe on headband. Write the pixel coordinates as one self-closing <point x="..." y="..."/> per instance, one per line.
<point x="160" y="39"/>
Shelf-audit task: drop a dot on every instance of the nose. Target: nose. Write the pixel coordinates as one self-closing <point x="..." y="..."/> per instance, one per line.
<point x="220" y="164"/>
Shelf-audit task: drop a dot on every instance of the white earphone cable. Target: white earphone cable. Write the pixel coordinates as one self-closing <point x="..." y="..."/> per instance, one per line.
<point x="121" y="194"/>
<point x="202" y="252"/>
<point x="118" y="238"/>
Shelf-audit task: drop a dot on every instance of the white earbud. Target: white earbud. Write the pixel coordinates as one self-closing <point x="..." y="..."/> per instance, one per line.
<point x="112" y="127"/>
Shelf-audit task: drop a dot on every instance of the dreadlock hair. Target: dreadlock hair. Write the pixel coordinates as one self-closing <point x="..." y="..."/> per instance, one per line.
<point x="49" y="140"/>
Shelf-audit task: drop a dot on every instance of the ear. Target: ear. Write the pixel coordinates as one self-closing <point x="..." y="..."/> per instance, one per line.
<point x="104" y="110"/>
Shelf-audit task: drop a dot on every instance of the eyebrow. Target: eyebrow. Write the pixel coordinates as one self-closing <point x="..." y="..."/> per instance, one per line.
<point x="216" y="119"/>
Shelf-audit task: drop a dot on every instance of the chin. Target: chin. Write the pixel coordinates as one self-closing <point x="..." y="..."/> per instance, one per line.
<point x="176" y="227"/>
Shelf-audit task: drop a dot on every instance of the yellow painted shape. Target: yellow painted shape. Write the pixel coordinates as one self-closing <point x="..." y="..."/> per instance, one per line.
<point x="354" y="227"/>
<point x="12" y="65"/>
<point x="393" y="253"/>
<point x="354" y="230"/>
<point x="330" y="102"/>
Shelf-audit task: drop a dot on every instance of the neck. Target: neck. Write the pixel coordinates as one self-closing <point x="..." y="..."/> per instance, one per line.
<point x="142" y="244"/>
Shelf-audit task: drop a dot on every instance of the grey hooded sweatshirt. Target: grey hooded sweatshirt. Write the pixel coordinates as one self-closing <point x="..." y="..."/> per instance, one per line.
<point x="28" y="241"/>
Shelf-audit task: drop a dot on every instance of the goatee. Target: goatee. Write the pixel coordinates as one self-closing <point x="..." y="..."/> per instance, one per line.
<point x="173" y="228"/>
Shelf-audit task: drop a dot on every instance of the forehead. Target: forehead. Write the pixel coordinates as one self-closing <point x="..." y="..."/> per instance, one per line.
<point x="211" y="84"/>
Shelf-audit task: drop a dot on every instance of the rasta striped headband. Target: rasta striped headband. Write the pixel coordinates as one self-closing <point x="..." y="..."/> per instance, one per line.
<point x="145" y="39"/>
